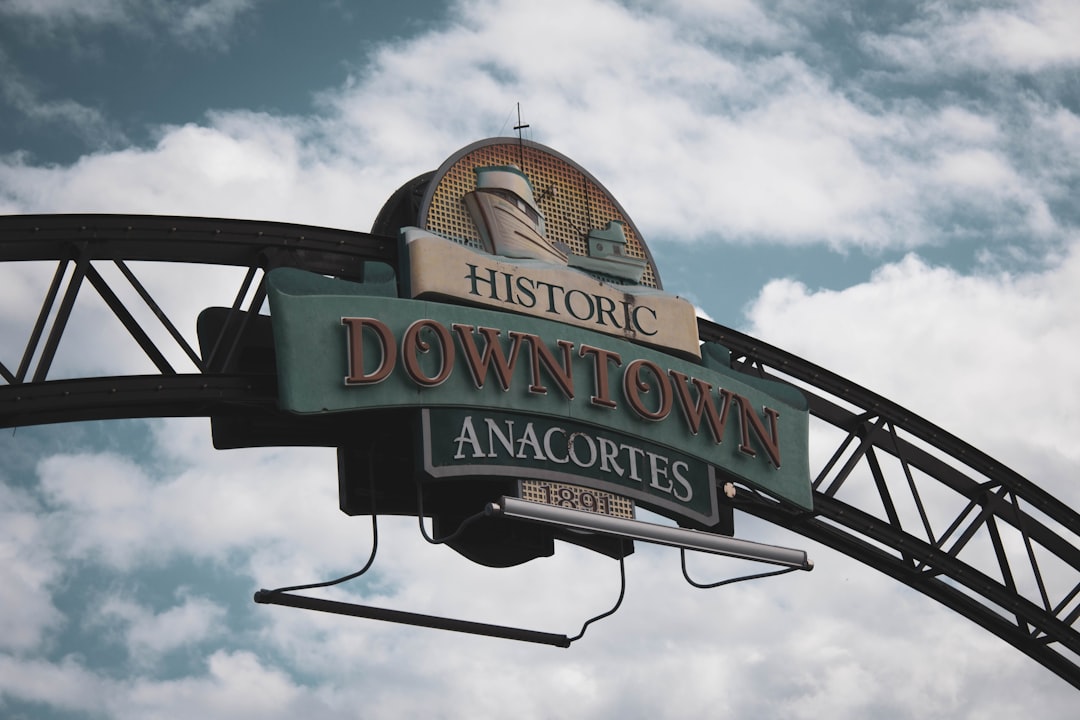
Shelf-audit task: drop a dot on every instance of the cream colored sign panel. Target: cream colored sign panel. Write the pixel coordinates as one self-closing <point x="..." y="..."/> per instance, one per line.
<point x="441" y="268"/>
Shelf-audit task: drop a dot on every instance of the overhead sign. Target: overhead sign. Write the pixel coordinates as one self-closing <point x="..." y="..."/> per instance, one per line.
<point x="528" y="330"/>
<point x="339" y="350"/>
<point x="549" y="241"/>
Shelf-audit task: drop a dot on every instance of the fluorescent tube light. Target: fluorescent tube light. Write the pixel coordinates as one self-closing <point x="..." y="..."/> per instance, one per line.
<point x="650" y="532"/>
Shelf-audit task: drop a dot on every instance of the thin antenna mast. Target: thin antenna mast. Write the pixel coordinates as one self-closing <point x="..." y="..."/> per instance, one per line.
<point x="521" y="147"/>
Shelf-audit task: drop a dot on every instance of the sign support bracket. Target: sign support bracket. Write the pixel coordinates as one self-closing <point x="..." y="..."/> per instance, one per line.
<point x="272" y="597"/>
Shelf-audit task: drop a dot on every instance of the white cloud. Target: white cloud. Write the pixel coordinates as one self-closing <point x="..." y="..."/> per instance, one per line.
<point x="66" y="11"/>
<point x="975" y="170"/>
<point x="234" y="684"/>
<point x="213" y="17"/>
<point x="149" y="635"/>
<point x="110" y="509"/>
<point x="741" y="22"/>
<point x="765" y="148"/>
<point x="30" y="570"/>
<point x="65" y="685"/>
<point x="199" y="23"/>
<point x="970" y="37"/>
<point x="87" y="122"/>
<point x="957" y="349"/>
<point x="243" y="165"/>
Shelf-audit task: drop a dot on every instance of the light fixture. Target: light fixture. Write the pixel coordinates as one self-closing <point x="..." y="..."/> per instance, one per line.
<point x="649" y="532"/>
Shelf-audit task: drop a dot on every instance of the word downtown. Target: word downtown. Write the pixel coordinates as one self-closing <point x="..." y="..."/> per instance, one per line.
<point x="429" y="354"/>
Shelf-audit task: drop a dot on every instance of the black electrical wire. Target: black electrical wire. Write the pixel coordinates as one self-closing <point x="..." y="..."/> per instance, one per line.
<point x="447" y="538"/>
<point x="618" y="603"/>
<point x="729" y="581"/>
<point x="374" y="539"/>
<point x="473" y="518"/>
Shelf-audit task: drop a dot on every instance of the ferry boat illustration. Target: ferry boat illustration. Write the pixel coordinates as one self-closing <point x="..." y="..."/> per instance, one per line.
<point x="511" y="224"/>
<point x="607" y="254"/>
<point x="507" y="216"/>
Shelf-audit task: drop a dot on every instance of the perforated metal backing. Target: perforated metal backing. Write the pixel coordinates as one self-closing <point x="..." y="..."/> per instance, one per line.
<point x="571" y="201"/>
<point x="576" y="498"/>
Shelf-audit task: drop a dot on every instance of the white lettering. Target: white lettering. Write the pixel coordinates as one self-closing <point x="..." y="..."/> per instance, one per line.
<point x="495" y="433"/>
<point x="621" y="462"/>
<point x="468" y="435"/>
<point x="572" y="449"/>
<point x="658" y="465"/>
<point x="528" y="438"/>
<point x="677" y="469"/>
<point x="635" y="454"/>
<point x="547" y="446"/>
<point x="609" y="452"/>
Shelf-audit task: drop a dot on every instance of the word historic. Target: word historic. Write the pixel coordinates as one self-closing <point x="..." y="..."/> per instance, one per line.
<point x="444" y="270"/>
<point x="429" y="353"/>
<point x="560" y="302"/>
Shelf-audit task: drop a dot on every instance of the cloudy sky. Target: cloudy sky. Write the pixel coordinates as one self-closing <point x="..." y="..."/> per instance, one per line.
<point x="885" y="188"/>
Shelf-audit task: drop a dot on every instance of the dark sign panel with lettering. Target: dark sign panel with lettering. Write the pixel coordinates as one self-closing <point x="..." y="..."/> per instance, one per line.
<point x="339" y="350"/>
<point x="458" y="442"/>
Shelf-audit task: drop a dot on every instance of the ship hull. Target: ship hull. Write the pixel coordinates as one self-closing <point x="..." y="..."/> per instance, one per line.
<point x="506" y="230"/>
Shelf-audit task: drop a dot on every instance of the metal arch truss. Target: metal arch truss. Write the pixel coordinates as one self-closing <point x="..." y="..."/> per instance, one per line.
<point x="891" y="490"/>
<point x="913" y="501"/>
<point x="86" y="250"/>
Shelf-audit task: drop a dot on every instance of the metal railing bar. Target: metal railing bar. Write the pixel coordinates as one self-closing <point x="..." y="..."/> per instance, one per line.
<point x="916" y="496"/>
<point x="52" y="342"/>
<point x="845" y="472"/>
<point x="833" y="460"/>
<point x="993" y="610"/>
<point x="159" y="313"/>
<point x="253" y="307"/>
<point x="986" y="511"/>
<point x="8" y="376"/>
<point x="886" y="498"/>
<point x="1003" y="564"/>
<point x="128" y="321"/>
<point x="39" y="324"/>
<point x="1030" y="551"/>
<point x="939" y="544"/>
<point x="240" y="295"/>
<point x="1071" y="617"/>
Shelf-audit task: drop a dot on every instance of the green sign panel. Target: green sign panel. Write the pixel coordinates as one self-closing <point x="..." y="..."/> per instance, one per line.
<point x="471" y="442"/>
<point x="340" y="350"/>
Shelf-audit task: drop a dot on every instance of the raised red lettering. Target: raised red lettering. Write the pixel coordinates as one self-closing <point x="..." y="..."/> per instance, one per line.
<point x="693" y="411"/>
<point x="354" y="329"/>
<point x="634" y="387"/>
<point x="412" y="344"/>
<point x="769" y="440"/>
<point x="563" y="374"/>
<point x="601" y="358"/>
<point x="493" y="354"/>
